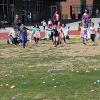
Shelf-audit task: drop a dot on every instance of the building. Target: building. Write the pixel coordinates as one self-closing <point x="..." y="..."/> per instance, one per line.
<point x="34" y="9"/>
<point x="43" y="9"/>
<point x="74" y="8"/>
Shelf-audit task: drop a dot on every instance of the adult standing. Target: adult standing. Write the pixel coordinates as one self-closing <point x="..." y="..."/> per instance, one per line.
<point x="56" y="18"/>
<point x="17" y="22"/>
<point x="86" y="19"/>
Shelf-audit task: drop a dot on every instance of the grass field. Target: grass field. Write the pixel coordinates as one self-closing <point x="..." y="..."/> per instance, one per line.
<point x="70" y="72"/>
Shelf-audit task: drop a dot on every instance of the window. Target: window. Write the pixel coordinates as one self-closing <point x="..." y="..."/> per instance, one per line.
<point x="76" y="9"/>
<point x="11" y="2"/>
<point x="3" y="2"/>
<point x="3" y="9"/>
<point x="90" y="7"/>
<point x="39" y="5"/>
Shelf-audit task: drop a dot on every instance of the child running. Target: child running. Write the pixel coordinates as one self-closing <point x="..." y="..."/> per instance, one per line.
<point x="44" y="24"/>
<point x="64" y="31"/>
<point x="55" y="35"/>
<point x="24" y="37"/>
<point x="92" y="31"/>
<point x="59" y="33"/>
<point x="48" y="31"/>
<point x="84" y="33"/>
<point x="36" y="32"/>
<point x="13" y="36"/>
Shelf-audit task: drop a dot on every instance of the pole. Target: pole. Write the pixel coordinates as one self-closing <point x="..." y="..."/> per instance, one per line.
<point x="3" y="9"/>
<point x="3" y="12"/>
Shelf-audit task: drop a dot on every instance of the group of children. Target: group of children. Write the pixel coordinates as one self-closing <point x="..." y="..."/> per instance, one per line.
<point x="18" y="35"/>
<point x="88" y="33"/>
<point x="55" y="32"/>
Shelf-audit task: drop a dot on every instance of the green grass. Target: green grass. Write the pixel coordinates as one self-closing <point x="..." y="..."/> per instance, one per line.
<point x="48" y="73"/>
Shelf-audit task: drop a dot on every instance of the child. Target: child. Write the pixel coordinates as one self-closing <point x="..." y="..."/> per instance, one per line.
<point x="64" y="31"/>
<point x="84" y="33"/>
<point x="30" y="34"/>
<point x="24" y="36"/>
<point x="12" y="37"/>
<point x="55" y="35"/>
<point x="98" y="33"/>
<point x="48" y="32"/>
<point x="50" y="23"/>
<point x="36" y="34"/>
<point x="59" y="33"/>
<point x="92" y="31"/>
<point x="44" y="24"/>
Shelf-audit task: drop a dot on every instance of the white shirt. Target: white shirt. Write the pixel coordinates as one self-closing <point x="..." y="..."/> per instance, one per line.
<point x="92" y="30"/>
<point x="43" y="23"/>
<point x="65" y="30"/>
<point x="13" y="33"/>
<point x="49" y="22"/>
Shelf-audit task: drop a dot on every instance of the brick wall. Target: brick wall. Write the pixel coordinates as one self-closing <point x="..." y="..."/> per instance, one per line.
<point x="65" y="7"/>
<point x="89" y="1"/>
